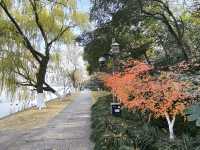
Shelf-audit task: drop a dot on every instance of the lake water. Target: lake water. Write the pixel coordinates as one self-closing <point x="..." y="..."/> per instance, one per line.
<point x="7" y="108"/>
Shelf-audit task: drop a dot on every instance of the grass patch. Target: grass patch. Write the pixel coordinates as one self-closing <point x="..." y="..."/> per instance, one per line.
<point x="132" y="132"/>
<point x="34" y="118"/>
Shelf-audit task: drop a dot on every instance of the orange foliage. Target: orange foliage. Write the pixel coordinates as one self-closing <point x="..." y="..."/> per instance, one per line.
<point x="136" y="88"/>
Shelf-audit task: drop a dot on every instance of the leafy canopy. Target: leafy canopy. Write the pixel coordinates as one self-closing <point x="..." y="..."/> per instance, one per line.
<point x="41" y="28"/>
<point x="136" y="88"/>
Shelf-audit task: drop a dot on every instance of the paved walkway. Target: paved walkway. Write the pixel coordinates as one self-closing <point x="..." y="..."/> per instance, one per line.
<point x="70" y="130"/>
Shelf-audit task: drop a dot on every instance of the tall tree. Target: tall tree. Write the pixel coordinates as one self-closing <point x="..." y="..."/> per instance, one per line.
<point x="115" y="19"/>
<point x="32" y="29"/>
<point x="160" y="10"/>
<point x="164" y="96"/>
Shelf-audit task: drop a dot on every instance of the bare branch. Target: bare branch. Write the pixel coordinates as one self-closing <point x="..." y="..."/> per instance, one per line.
<point x="48" y="88"/>
<point x="25" y="84"/>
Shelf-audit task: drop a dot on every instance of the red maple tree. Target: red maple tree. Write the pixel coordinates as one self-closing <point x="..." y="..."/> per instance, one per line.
<point x="163" y="96"/>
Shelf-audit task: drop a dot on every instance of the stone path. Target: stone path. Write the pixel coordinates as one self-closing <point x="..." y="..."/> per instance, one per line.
<point x="70" y="130"/>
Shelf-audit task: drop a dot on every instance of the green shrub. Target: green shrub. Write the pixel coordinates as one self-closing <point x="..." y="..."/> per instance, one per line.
<point x="125" y="148"/>
<point x="131" y="131"/>
<point x="184" y="143"/>
<point x="117" y="133"/>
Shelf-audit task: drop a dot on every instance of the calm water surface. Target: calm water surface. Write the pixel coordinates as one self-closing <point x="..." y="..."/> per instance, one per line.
<point x="7" y="108"/>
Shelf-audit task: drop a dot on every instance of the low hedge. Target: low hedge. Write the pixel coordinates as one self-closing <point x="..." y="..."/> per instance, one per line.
<point x="131" y="132"/>
<point x="119" y="133"/>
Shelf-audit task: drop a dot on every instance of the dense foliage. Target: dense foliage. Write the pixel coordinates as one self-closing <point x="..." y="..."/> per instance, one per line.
<point x="162" y="96"/>
<point x="131" y="131"/>
<point x="162" y="32"/>
<point x="32" y="33"/>
<point x="112" y="133"/>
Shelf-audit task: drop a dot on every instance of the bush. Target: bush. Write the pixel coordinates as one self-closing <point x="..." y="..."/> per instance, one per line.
<point x="162" y="96"/>
<point x="131" y="131"/>
<point x="118" y="133"/>
<point x="184" y="143"/>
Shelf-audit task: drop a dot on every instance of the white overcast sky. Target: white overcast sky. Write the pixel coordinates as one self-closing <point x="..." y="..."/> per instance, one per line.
<point x="84" y="5"/>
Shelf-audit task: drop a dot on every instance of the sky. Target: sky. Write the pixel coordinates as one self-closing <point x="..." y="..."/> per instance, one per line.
<point x="84" y="5"/>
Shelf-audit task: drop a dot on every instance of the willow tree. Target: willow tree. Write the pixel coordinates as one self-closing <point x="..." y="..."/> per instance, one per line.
<point x="30" y="31"/>
<point x="69" y="71"/>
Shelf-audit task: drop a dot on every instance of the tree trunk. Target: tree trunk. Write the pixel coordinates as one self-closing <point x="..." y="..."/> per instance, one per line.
<point x="170" y="126"/>
<point x="149" y="118"/>
<point x="167" y="55"/>
<point x="188" y="48"/>
<point x="184" y="53"/>
<point x="147" y="58"/>
<point x="182" y="47"/>
<point x="40" y="82"/>
<point x="171" y="132"/>
<point x="40" y="101"/>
